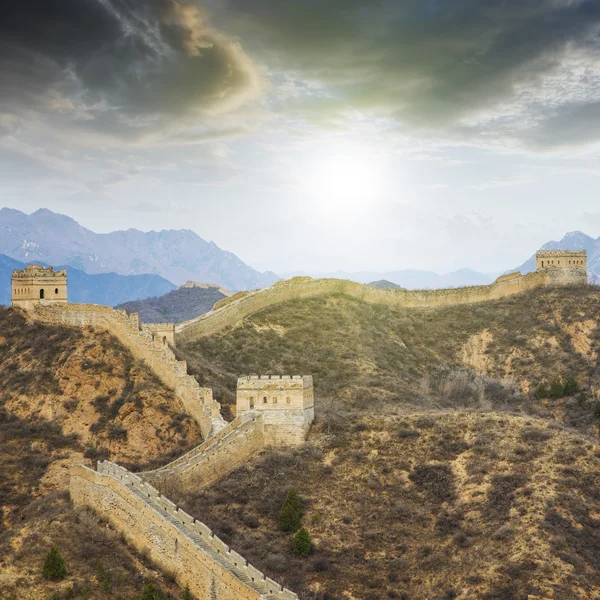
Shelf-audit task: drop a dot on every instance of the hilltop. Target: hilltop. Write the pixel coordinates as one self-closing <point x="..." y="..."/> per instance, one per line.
<point x="179" y="305"/>
<point x="71" y="396"/>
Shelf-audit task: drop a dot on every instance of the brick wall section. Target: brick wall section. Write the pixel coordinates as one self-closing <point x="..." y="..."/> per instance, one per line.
<point x="232" y="311"/>
<point x="151" y="349"/>
<point x="173" y="539"/>
<point x="229" y="449"/>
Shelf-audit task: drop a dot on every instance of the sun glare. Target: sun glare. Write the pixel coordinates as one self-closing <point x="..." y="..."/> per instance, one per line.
<point x="345" y="182"/>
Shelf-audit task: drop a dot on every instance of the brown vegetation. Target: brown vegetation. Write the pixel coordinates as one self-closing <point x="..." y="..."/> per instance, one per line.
<point x="434" y="506"/>
<point x="72" y="396"/>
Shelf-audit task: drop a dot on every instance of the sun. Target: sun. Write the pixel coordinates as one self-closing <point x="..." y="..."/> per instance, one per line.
<point x="345" y="182"/>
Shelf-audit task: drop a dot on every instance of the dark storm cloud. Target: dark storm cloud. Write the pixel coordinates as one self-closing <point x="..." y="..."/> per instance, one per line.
<point x="123" y="67"/>
<point x="421" y="61"/>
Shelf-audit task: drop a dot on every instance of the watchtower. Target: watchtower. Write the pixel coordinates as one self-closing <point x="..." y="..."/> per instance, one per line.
<point x="38" y="284"/>
<point x="561" y="259"/>
<point x="287" y="404"/>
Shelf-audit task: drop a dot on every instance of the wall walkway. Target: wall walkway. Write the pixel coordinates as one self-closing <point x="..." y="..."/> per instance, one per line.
<point x="215" y="458"/>
<point x="173" y="539"/>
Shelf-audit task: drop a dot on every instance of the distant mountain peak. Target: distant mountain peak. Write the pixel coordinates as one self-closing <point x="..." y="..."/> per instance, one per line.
<point x="176" y="255"/>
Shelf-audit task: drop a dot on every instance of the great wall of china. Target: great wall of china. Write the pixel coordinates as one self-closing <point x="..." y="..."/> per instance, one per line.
<point x="173" y="539"/>
<point x="273" y="411"/>
<point x="231" y="311"/>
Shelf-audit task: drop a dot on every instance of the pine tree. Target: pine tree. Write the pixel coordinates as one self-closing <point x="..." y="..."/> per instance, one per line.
<point x="557" y="388"/>
<point x="541" y="392"/>
<point x="151" y="592"/>
<point x="54" y="565"/>
<point x="290" y="516"/>
<point x="571" y="387"/>
<point x="302" y="544"/>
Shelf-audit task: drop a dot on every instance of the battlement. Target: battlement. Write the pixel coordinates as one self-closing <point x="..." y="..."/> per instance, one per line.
<point x="175" y="540"/>
<point x="36" y="284"/>
<point x="38" y="271"/>
<point x="561" y="259"/>
<point x="259" y="381"/>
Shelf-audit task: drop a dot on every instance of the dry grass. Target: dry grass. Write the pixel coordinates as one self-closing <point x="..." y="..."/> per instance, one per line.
<point x="467" y="505"/>
<point x="376" y="357"/>
<point x="71" y="396"/>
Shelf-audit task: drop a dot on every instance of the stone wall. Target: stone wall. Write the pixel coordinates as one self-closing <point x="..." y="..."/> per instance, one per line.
<point x="173" y="539"/>
<point x="145" y="346"/>
<point x="561" y="259"/>
<point x="205" y="464"/>
<point x="232" y="311"/>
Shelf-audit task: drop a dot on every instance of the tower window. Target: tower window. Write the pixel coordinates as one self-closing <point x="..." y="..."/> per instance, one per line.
<point x="274" y="400"/>
<point x="41" y="294"/>
<point x="251" y="402"/>
<point x="265" y="400"/>
<point x="56" y="291"/>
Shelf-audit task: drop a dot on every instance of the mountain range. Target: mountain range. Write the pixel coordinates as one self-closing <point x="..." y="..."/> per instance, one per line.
<point x="104" y="288"/>
<point x="178" y="256"/>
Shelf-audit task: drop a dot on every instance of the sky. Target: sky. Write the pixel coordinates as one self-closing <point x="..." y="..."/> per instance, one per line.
<point x="309" y="135"/>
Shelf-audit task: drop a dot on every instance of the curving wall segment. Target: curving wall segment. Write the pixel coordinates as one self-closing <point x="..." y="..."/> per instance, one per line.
<point x="233" y="310"/>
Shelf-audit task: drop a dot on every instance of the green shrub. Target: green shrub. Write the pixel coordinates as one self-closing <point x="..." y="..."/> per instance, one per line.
<point x="187" y="595"/>
<point x="582" y="398"/>
<point x="290" y="516"/>
<point x="541" y="392"/>
<point x="557" y="388"/>
<point x="54" y="565"/>
<point x="597" y="409"/>
<point x="571" y="387"/>
<point x="302" y="544"/>
<point x="151" y="592"/>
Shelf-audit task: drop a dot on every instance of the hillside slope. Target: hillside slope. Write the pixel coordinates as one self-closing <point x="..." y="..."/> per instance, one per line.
<point x="73" y="396"/>
<point x="377" y="357"/>
<point x="458" y="506"/>
<point x="179" y="305"/>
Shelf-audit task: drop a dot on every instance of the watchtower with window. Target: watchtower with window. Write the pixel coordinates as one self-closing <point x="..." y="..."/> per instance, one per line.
<point x="286" y="402"/>
<point x="38" y="284"/>
<point x="561" y="259"/>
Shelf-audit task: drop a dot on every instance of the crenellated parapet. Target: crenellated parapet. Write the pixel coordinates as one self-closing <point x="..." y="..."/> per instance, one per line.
<point x="36" y="284"/>
<point x="175" y="540"/>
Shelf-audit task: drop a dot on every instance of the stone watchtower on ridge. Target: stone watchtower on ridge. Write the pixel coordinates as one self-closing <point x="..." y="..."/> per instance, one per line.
<point x="286" y="403"/>
<point x="38" y="284"/>
<point x="561" y="259"/>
